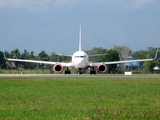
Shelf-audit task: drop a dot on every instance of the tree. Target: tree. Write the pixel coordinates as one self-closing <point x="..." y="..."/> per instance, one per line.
<point x="124" y="51"/>
<point x="148" y="66"/>
<point x="15" y="54"/>
<point x="95" y="51"/>
<point x="141" y="54"/>
<point x="152" y="51"/>
<point x="43" y="56"/>
<point x="31" y="55"/>
<point x="53" y="57"/>
<point x="27" y="55"/>
<point x="111" y="55"/>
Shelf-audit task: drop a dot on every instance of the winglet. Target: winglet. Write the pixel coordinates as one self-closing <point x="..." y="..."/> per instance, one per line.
<point x="156" y="54"/>
<point x="4" y="55"/>
<point x="80" y="39"/>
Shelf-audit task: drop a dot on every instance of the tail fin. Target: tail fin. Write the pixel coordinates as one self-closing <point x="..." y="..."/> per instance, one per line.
<point x="80" y="39"/>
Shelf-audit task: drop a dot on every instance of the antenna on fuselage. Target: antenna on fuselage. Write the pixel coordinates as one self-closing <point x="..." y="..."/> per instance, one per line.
<point x="80" y="39"/>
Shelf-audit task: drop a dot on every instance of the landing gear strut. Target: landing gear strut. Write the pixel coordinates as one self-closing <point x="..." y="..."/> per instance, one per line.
<point x="67" y="71"/>
<point x="79" y="70"/>
<point x="93" y="71"/>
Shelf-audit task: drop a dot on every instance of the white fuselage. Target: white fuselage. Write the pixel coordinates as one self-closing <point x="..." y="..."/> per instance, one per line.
<point x="80" y="60"/>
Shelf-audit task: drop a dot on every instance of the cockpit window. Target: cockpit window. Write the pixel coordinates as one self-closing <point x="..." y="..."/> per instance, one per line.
<point x="80" y="57"/>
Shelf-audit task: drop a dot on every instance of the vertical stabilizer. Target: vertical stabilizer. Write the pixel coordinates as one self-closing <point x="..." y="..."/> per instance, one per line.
<point x="80" y="39"/>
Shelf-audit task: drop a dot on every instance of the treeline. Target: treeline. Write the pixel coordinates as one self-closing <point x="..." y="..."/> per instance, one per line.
<point x="114" y="54"/>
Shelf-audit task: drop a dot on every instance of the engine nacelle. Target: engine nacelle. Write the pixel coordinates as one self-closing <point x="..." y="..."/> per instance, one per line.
<point x="102" y="68"/>
<point x="58" y="68"/>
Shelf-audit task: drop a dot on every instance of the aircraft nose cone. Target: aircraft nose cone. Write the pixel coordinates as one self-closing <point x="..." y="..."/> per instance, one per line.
<point x="81" y="63"/>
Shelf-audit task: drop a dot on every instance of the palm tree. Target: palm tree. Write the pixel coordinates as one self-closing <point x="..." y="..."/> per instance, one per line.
<point x="15" y="54"/>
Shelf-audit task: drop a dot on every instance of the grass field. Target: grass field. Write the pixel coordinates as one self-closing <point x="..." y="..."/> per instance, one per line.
<point x="79" y="98"/>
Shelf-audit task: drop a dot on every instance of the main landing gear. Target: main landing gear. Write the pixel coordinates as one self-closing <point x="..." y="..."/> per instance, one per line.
<point x="67" y="71"/>
<point x="93" y="71"/>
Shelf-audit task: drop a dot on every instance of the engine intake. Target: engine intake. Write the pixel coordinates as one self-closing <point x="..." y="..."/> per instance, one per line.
<point x="102" y="68"/>
<point x="58" y="68"/>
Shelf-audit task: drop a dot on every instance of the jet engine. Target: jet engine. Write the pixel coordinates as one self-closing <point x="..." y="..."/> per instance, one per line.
<point x="58" y="68"/>
<point x="102" y="68"/>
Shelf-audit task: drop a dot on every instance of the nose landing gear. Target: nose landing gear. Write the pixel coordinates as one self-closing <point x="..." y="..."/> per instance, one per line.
<point x="80" y="71"/>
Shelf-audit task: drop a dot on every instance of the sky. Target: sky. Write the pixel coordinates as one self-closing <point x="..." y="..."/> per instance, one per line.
<point x="53" y="25"/>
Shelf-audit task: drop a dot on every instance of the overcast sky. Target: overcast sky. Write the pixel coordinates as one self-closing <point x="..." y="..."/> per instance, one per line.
<point x="53" y="25"/>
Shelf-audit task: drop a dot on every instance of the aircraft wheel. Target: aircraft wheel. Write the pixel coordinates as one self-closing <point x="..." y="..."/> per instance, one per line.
<point x="80" y="72"/>
<point x="67" y="72"/>
<point x="92" y="72"/>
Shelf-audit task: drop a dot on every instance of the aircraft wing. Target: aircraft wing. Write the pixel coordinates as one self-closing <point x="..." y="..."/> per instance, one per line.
<point x="125" y="61"/>
<point x="64" y="55"/>
<point x="96" y="55"/>
<point x="37" y="61"/>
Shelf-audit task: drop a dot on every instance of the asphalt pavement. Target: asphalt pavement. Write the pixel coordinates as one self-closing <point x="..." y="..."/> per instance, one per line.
<point x="81" y="76"/>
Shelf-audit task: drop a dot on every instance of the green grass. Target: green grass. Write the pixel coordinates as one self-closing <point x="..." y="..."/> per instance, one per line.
<point x="79" y="98"/>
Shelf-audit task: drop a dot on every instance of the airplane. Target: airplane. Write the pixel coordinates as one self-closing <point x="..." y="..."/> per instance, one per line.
<point x="80" y="61"/>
